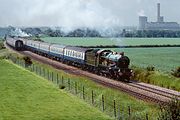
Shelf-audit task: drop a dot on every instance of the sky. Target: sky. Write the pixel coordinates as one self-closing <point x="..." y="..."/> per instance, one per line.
<point x="84" y="13"/>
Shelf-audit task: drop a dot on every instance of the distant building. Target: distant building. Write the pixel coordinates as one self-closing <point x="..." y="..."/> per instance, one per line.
<point x="162" y="26"/>
<point x="159" y="25"/>
<point x="142" y="22"/>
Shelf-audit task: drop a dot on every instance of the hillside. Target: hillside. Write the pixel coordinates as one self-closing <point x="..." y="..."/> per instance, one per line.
<point x="25" y="96"/>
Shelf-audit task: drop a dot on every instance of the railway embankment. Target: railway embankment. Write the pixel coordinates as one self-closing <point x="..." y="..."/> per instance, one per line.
<point x="26" y="96"/>
<point x="102" y="95"/>
<point x="76" y="71"/>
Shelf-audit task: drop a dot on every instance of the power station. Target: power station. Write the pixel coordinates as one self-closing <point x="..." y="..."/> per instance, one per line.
<point x="159" y="24"/>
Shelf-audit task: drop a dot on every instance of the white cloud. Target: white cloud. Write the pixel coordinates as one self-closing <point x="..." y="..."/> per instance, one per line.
<point x="77" y="13"/>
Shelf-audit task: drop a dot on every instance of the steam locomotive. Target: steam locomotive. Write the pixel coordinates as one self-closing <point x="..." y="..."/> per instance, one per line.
<point x="99" y="61"/>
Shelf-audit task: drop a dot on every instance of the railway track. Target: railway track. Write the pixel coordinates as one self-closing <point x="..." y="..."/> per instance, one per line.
<point x="158" y="90"/>
<point x="140" y="90"/>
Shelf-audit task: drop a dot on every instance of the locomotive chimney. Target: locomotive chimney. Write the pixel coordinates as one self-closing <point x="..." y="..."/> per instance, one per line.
<point x="121" y="53"/>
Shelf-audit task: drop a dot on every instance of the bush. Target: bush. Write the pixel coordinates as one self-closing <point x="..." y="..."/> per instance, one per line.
<point x="150" y="68"/>
<point x="27" y="60"/>
<point x="176" y="72"/>
<point x="170" y="111"/>
<point x="142" y="75"/>
<point x="2" y="45"/>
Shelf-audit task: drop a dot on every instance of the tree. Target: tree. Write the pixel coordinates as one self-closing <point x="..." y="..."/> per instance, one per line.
<point x="176" y="72"/>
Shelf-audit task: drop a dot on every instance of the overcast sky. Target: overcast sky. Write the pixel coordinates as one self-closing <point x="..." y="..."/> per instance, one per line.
<point x="84" y="13"/>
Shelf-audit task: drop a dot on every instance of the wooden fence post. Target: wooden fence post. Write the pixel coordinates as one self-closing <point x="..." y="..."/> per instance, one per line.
<point x="76" y="87"/>
<point x="52" y="76"/>
<point x="129" y="111"/>
<point x="69" y="83"/>
<point x="83" y="93"/>
<point x="103" y="103"/>
<point x="44" y="73"/>
<point x="114" y="108"/>
<point x="147" y="116"/>
<point x="92" y="97"/>
<point x="57" y="78"/>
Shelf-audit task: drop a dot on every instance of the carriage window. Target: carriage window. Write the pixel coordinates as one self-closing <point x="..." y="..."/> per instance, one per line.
<point x="68" y="53"/>
<point x="73" y="53"/>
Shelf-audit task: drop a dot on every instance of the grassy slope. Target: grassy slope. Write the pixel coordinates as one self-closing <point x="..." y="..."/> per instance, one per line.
<point x="112" y="41"/>
<point x="26" y="96"/>
<point x="122" y="99"/>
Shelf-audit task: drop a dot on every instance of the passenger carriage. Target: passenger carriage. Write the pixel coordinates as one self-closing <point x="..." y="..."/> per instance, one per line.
<point x="57" y="51"/>
<point x="33" y="45"/>
<point x="75" y="54"/>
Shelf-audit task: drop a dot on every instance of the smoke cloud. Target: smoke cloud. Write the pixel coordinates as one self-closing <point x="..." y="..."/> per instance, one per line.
<point x="18" y="32"/>
<point x="141" y="13"/>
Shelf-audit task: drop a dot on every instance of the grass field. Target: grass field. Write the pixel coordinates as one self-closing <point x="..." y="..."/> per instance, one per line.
<point x="111" y="41"/>
<point x="25" y="96"/>
<point x="164" y="59"/>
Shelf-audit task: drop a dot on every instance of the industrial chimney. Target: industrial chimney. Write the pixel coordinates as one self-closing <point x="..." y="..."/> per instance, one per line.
<point x="158" y="12"/>
<point x="159" y="17"/>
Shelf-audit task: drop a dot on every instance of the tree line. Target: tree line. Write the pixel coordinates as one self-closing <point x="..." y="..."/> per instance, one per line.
<point x="151" y="33"/>
<point x="87" y="32"/>
<point x="59" y="33"/>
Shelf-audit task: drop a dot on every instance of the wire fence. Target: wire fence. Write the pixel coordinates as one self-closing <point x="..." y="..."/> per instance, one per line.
<point x="112" y="108"/>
